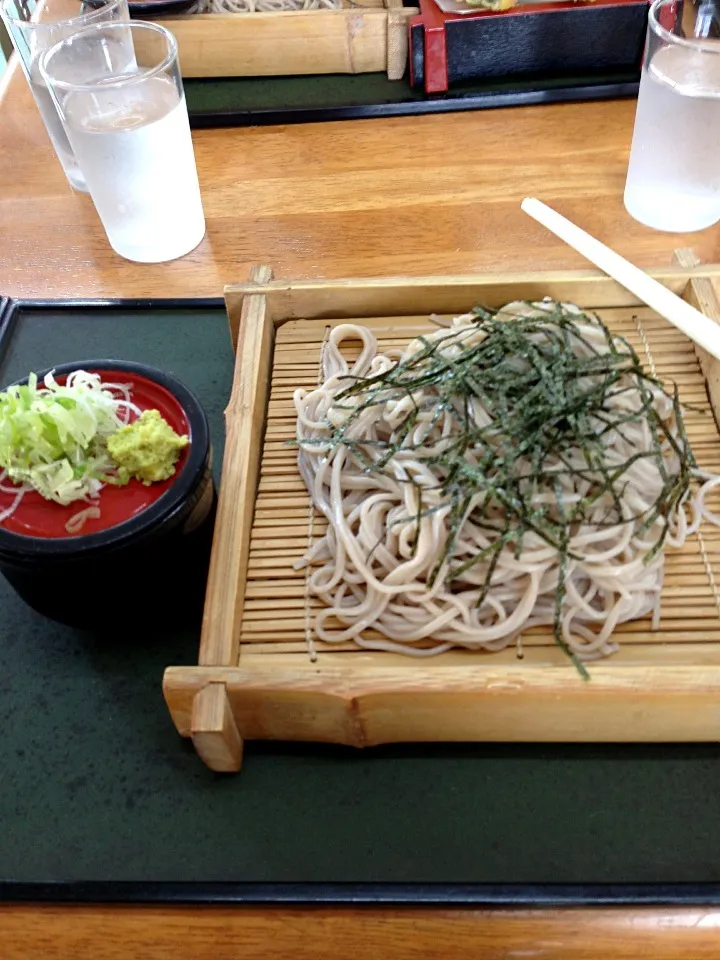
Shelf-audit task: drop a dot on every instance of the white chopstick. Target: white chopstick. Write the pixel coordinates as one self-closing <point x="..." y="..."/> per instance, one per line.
<point x="695" y="325"/>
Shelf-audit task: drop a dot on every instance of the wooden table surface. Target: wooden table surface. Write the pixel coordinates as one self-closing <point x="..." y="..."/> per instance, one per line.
<point x="435" y="194"/>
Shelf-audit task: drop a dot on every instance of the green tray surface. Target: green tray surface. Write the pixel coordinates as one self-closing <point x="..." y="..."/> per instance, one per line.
<point x="96" y="785"/>
<point x="255" y="94"/>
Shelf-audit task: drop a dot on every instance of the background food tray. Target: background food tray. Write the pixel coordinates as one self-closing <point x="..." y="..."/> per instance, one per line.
<point x="249" y="101"/>
<point x="255" y="679"/>
<point x="89" y="753"/>
<point x="310" y="66"/>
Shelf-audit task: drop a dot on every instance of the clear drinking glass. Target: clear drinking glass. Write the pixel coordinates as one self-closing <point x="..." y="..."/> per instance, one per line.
<point x="128" y="127"/>
<point x="35" y="25"/>
<point x="673" y="181"/>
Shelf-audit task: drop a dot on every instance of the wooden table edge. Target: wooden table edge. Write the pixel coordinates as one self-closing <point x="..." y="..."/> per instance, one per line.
<point x="333" y="933"/>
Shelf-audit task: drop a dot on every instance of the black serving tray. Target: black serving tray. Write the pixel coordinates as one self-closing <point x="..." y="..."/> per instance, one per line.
<point x="101" y="800"/>
<point x="253" y="101"/>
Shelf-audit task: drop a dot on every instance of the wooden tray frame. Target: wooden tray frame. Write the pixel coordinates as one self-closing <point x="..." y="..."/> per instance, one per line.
<point x="377" y="697"/>
<point x="365" y="36"/>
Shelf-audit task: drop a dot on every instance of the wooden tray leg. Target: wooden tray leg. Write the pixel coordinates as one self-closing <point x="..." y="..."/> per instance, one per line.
<point x="214" y="731"/>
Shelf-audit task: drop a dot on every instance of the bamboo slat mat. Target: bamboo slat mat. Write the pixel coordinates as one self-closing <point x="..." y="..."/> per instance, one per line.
<point x="278" y="615"/>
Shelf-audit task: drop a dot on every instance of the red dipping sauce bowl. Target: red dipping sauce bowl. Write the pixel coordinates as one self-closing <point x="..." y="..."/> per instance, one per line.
<point x="148" y="552"/>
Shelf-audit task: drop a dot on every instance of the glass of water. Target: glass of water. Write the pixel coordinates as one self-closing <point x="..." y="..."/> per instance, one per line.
<point x="118" y="90"/>
<point x="35" y="25"/>
<point x="673" y="182"/>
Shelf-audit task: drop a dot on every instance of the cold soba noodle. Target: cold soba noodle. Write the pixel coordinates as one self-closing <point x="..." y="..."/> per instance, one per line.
<point x="518" y="468"/>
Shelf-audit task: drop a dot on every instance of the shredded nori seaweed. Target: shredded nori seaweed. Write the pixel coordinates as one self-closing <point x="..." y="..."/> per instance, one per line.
<point x="545" y="402"/>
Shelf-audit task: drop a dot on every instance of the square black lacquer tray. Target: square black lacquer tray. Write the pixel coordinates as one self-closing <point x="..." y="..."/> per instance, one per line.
<point x="100" y="800"/>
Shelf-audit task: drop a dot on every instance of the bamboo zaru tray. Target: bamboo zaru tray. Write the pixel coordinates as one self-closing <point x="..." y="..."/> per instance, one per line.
<point x="256" y="679"/>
